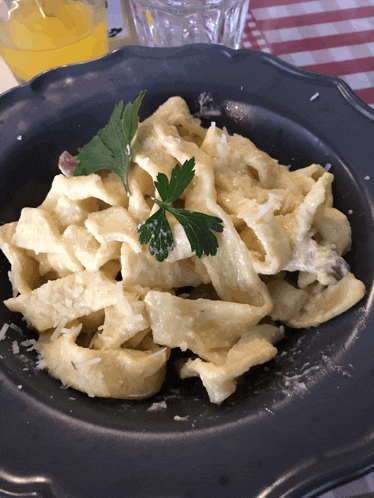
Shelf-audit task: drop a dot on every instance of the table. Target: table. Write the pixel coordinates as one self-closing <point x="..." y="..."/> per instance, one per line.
<point x="326" y="36"/>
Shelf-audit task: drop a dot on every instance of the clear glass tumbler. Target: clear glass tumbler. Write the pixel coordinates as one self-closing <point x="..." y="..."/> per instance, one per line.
<point x="170" y="23"/>
<point x="36" y="35"/>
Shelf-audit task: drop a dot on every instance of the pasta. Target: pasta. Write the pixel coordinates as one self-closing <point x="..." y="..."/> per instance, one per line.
<point x="109" y="314"/>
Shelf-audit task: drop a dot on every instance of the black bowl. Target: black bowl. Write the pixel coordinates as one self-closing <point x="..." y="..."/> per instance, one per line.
<point x="295" y="426"/>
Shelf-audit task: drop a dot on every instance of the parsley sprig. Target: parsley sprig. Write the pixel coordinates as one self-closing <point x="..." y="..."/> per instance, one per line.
<point x="111" y="147"/>
<point x="199" y="227"/>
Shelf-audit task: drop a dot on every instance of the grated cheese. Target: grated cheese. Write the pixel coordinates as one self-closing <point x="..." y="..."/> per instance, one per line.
<point x="328" y="166"/>
<point x="77" y="291"/>
<point x="72" y="332"/>
<point x="61" y="309"/>
<point x="272" y="204"/>
<point x="157" y="406"/>
<point x="16" y="328"/>
<point x="3" y="331"/>
<point x="35" y="344"/>
<point x="27" y="343"/>
<point x="181" y="419"/>
<point x="87" y="363"/>
<point x="121" y="300"/>
<point x="41" y="364"/>
<point x="158" y="353"/>
<point x="59" y="329"/>
<point x="15" y="347"/>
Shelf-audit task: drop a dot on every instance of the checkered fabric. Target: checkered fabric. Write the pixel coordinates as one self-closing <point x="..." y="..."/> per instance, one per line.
<point x="326" y="36"/>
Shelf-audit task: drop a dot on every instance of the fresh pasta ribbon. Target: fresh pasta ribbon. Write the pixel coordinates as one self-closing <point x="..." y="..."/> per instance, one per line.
<point x="109" y="313"/>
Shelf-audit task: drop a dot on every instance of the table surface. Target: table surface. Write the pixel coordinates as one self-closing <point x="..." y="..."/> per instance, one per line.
<point x="326" y="36"/>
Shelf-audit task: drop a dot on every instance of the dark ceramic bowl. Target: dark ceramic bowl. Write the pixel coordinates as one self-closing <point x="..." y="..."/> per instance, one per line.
<point x="296" y="426"/>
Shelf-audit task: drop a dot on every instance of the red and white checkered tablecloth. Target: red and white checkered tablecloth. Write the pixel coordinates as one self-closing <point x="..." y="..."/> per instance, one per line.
<point x="326" y="36"/>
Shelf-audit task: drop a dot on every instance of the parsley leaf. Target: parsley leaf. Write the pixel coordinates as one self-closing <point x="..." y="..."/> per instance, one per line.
<point x="111" y="147"/>
<point x="157" y="231"/>
<point x="180" y="179"/>
<point x="199" y="227"/>
<point x="131" y="117"/>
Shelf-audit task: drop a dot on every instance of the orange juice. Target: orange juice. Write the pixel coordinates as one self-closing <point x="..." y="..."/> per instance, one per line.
<point x="43" y="39"/>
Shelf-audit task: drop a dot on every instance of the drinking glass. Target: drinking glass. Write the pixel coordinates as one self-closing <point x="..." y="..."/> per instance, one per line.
<point x="36" y="35"/>
<point x="170" y="23"/>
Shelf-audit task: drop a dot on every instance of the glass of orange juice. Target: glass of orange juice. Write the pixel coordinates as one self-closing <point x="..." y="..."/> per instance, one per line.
<point x="36" y="35"/>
